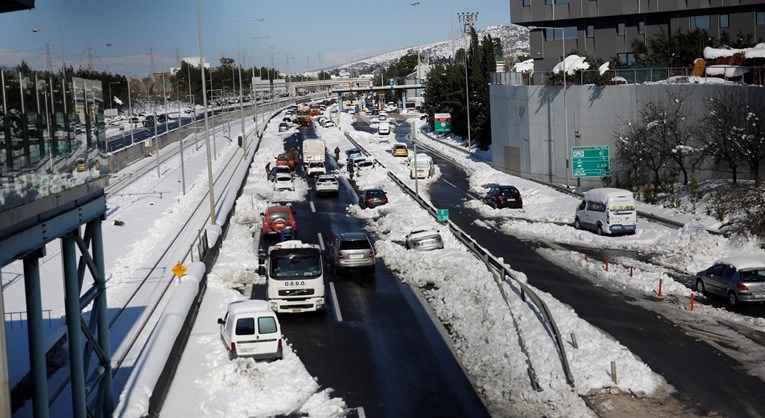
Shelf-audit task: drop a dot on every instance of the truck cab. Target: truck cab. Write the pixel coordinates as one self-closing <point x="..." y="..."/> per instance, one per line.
<point x="294" y="273"/>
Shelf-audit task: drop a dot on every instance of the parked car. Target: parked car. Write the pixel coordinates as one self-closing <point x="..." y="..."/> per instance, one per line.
<point x="328" y="124"/>
<point x="315" y="168"/>
<point x="424" y="240"/>
<point x="283" y="127"/>
<point x="740" y="279"/>
<point x="251" y="329"/>
<point x="277" y="170"/>
<point x="607" y="211"/>
<point x="286" y="160"/>
<point x="372" y="198"/>
<point x="283" y="182"/>
<point x="500" y="196"/>
<point x="400" y="150"/>
<point x="327" y="184"/>
<point x="351" y="250"/>
<point x="363" y="165"/>
<point x="276" y="218"/>
<point x="350" y="151"/>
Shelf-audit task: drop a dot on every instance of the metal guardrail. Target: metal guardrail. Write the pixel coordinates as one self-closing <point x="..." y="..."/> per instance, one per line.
<point x="503" y="271"/>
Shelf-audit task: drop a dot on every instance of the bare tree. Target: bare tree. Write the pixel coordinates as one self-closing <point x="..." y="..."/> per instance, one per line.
<point x="724" y="122"/>
<point x="630" y="155"/>
<point x="669" y="132"/>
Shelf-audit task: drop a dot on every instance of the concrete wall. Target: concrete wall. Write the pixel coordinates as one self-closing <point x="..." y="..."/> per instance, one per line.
<point x="528" y="123"/>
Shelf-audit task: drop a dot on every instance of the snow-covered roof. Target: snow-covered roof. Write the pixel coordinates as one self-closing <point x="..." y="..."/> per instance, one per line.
<point x="607" y="193"/>
<point x="603" y="68"/>
<point x="727" y="70"/>
<point x="758" y="51"/>
<point x="252" y="305"/>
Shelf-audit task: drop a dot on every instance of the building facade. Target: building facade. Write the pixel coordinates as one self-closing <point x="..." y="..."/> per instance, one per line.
<point x="606" y="28"/>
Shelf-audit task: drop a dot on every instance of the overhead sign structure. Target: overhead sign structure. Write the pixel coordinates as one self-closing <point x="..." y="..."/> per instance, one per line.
<point x="592" y="161"/>
<point x="442" y="122"/>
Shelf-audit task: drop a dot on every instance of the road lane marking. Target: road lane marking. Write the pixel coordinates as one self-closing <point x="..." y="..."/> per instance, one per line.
<point x="313" y="208"/>
<point x="321" y="242"/>
<point x="360" y="411"/>
<point x="455" y="186"/>
<point x="450" y="184"/>
<point x="338" y="315"/>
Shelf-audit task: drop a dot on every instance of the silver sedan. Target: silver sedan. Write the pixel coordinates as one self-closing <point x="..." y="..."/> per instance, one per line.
<point x="424" y="240"/>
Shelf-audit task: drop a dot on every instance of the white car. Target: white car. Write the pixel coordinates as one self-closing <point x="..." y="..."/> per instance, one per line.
<point x="328" y="123"/>
<point x="363" y="165"/>
<point x="327" y="184"/>
<point x="251" y="329"/>
<point x="315" y="168"/>
<point x="283" y="182"/>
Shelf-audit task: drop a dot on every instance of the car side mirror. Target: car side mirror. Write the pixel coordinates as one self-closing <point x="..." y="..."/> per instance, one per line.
<point x="262" y="214"/>
<point x="220" y="321"/>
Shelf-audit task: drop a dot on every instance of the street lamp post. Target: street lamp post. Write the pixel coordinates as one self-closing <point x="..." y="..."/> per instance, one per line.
<point x="207" y="136"/>
<point x="565" y="89"/>
<point x="417" y="12"/>
<point x="255" y="93"/>
<point x="241" y="99"/>
<point x="63" y="76"/>
<point x="467" y="20"/>
<point x="130" y="102"/>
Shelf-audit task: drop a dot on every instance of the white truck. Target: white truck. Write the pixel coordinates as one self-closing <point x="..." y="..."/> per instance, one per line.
<point x="294" y="273"/>
<point x="420" y="166"/>
<point x="313" y="151"/>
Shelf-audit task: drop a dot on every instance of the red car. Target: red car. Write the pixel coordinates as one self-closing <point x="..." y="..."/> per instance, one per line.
<point x="276" y="218"/>
<point x="285" y="159"/>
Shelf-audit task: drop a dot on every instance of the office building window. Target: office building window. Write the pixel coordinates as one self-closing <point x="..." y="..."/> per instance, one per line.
<point x="626" y="58"/>
<point x="620" y="29"/>
<point x="699" y="22"/>
<point x="641" y="27"/>
<point x="760" y="18"/>
<point x="548" y="2"/>
<point x="724" y="21"/>
<point x="561" y="1"/>
<point x="590" y="31"/>
<point x="526" y="3"/>
<point x="568" y="32"/>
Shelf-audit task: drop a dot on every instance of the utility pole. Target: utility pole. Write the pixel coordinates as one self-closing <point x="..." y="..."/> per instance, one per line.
<point x="467" y="19"/>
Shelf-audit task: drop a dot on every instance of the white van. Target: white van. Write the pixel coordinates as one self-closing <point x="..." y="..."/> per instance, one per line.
<point x="383" y="131"/>
<point x="251" y="329"/>
<point x="423" y="168"/>
<point x="607" y="211"/>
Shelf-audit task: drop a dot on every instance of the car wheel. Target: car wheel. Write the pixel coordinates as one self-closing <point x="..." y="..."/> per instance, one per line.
<point x="600" y="230"/>
<point x="700" y="287"/>
<point x="732" y="299"/>
<point x="577" y="225"/>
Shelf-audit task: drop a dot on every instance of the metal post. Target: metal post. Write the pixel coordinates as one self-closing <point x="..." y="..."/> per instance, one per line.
<point x="180" y="143"/>
<point x="468" y="20"/>
<point x="5" y="390"/>
<point x="73" y="325"/>
<point x="156" y="138"/>
<point x="37" y="365"/>
<point x="565" y="105"/>
<point x="241" y="100"/>
<point x="207" y="136"/>
<point x="130" y="113"/>
<point x="101" y="309"/>
<point x="414" y="144"/>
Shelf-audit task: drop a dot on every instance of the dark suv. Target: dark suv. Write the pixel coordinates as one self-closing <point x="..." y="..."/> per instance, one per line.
<point x="351" y="250"/>
<point x="371" y="198"/>
<point x="503" y="197"/>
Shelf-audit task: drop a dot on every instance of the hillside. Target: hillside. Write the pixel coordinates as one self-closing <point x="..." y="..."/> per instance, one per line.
<point x="514" y="39"/>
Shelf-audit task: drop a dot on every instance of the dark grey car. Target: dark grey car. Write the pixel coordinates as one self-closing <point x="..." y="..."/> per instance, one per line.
<point x="349" y="250"/>
<point x="740" y="279"/>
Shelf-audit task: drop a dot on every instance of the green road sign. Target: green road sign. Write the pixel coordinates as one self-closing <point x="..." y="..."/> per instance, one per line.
<point x="590" y="161"/>
<point x="443" y="215"/>
<point x="442" y="122"/>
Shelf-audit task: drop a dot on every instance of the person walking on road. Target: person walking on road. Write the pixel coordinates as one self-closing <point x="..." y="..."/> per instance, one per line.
<point x="337" y="153"/>
<point x="268" y="169"/>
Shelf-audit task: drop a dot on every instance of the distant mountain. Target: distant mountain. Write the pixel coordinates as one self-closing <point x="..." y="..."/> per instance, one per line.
<point x="514" y="39"/>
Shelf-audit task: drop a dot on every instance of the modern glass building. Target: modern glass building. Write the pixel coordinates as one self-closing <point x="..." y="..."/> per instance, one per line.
<point x="52" y="135"/>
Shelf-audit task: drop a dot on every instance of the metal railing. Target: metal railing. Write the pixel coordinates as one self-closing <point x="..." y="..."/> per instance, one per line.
<point x="10" y="317"/>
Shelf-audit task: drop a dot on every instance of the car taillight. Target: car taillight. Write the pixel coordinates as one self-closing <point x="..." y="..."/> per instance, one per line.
<point x="438" y="239"/>
<point x="340" y="256"/>
<point x="371" y="254"/>
<point x="608" y="218"/>
<point x="742" y="287"/>
<point x="416" y="244"/>
<point x="369" y="199"/>
<point x="233" y="347"/>
<point x="385" y="200"/>
<point x="502" y="199"/>
<point x="279" y="346"/>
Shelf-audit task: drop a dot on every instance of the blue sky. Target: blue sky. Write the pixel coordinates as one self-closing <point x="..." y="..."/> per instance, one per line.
<point x="305" y="34"/>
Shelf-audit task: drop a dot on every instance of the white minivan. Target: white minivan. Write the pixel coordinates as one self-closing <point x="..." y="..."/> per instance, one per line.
<point x="607" y="211"/>
<point x="251" y="329"/>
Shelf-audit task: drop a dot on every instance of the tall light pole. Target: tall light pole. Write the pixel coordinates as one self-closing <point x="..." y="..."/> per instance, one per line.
<point x="565" y="101"/>
<point x="130" y="101"/>
<point x="63" y="74"/>
<point x="260" y="76"/>
<point x="467" y="20"/>
<point x="241" y="100"/>
<point x="207" y="135"/>
<point x="417" y="13"/>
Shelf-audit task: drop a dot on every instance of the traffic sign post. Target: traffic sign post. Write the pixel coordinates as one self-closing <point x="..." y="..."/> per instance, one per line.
<point x="179" y="269"/>
<point x="442" y="122"/>
<point x="592" y="161"/>
<point x="443" y="215"/>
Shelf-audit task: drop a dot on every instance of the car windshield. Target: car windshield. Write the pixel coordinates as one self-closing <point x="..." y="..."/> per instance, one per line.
<point x="291" y="266"/>
<point x="354" y="245"/>
<point x="753" y="275"/>
<point x="375" y="193"/>
<point x="278" y="215"/>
